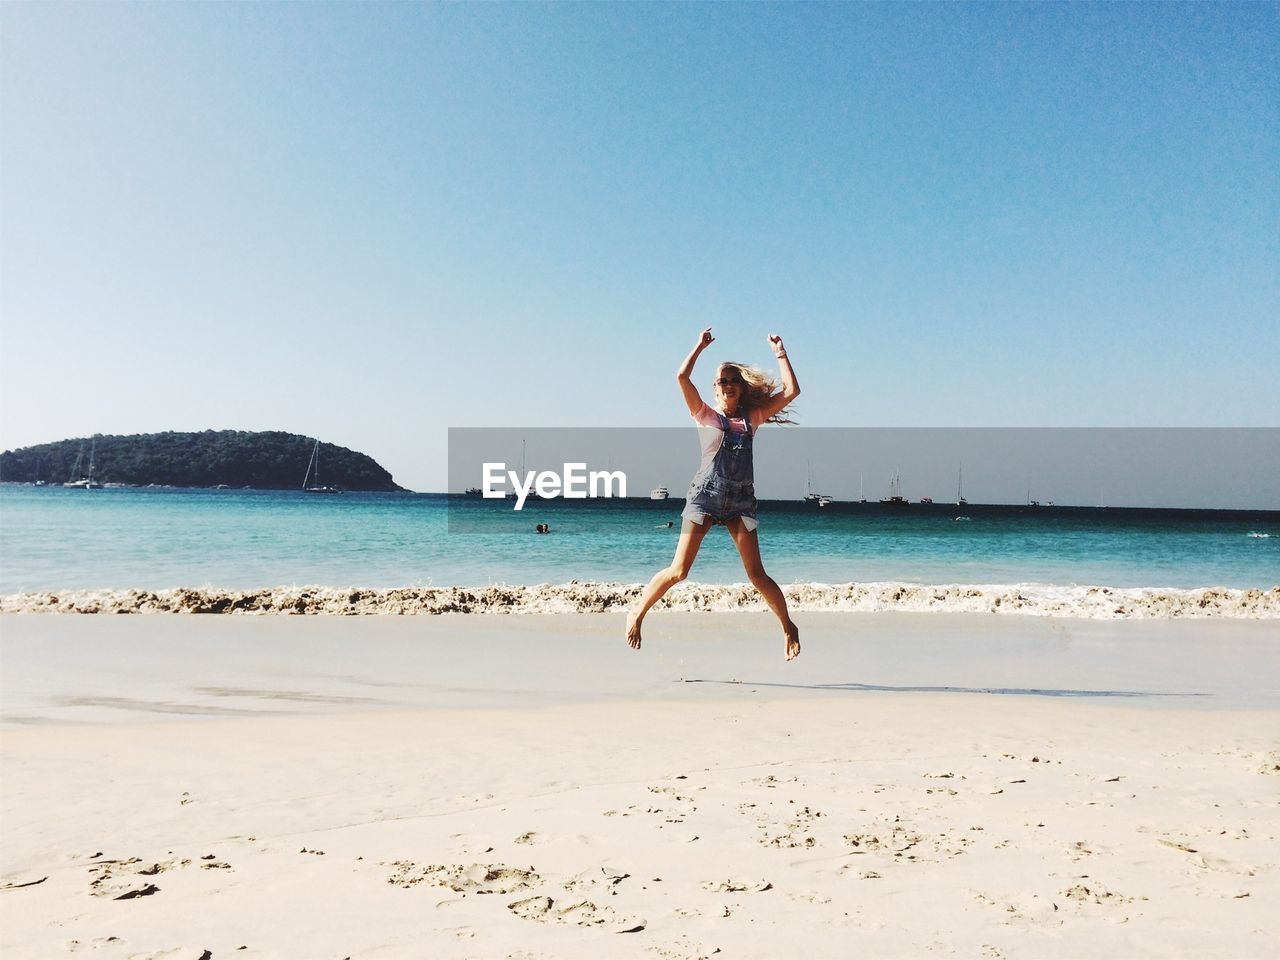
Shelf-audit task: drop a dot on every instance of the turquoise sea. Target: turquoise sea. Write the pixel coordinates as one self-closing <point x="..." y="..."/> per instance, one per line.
<point x="53" y="538"/>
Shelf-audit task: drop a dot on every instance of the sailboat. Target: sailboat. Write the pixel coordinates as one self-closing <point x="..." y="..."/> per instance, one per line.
<point x="809" y="495"/>
<point x="85" y="481"/>
<point x="512" y="495"/>
<point x="311" y="481"/>
<point x="895" y="492"/>
<point x="960" y="500"/>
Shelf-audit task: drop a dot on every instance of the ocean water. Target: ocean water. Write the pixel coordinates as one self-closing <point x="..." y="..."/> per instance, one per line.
<point x="52" y="538"/>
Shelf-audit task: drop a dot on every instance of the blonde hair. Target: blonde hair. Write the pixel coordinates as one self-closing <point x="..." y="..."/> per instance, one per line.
<point x="758" y="387"/>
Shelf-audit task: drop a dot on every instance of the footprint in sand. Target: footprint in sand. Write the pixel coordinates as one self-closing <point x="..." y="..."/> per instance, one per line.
<point x="1094" y="892"/>
<point x="864" y="842"/>
<point x="478" y="878"/>
<point x="1081" y="849"/>
<point x="582" y="913"/>
<point x="898" y="840"/>
<point x="671" y="805"/>
<point x="905" y="844"/>
<point x="770" y="781"/>
<point x="1223" y="865"/>
<point x="791" y="832"/>
<point x="532" y="908"/>
<point x="683" y="949"/>
<point x="737" y="885"/>
<point x="809" y="896"/>
<point x="597" y="879"/>
<point x="122" y="879"/>
<point x="1022" y="909"/>
<point x="1207" y="861"/>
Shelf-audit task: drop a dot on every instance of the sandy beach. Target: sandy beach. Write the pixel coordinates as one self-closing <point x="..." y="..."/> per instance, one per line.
<point x="492" y="786"/>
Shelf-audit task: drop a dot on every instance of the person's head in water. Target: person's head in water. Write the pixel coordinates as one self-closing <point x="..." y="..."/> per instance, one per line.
<point x="741" y="387"/>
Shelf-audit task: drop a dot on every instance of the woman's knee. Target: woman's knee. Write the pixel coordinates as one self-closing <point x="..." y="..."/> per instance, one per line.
<point x="758" y="577"/>
<point x="679" y="571"/>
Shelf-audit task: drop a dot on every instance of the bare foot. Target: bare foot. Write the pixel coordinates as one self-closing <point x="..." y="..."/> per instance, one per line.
<point x="792" y="633"/>
<point x="633" y="631"/>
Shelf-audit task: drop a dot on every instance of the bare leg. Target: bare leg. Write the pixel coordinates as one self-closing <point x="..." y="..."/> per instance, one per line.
<point x="691" y="535"/>
<point x="749" y="549"/>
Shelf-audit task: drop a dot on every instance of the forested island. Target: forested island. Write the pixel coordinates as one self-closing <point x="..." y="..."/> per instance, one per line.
<point x="264" y="460"/>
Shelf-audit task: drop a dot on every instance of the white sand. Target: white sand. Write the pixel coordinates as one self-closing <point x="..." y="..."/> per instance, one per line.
<point x="756" y="820"/>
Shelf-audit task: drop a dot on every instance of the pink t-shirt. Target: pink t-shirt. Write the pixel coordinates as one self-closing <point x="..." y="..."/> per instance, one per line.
<point x="710" y="434"/>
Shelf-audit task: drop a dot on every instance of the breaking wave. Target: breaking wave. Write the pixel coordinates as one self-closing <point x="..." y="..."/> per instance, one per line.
<point x="1027" y="599"/>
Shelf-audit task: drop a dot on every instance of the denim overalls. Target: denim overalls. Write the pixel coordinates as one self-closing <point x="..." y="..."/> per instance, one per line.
<point x="726" y="488"/>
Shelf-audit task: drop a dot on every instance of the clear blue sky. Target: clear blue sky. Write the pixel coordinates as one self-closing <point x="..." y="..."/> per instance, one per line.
<point x="371" y="222"/>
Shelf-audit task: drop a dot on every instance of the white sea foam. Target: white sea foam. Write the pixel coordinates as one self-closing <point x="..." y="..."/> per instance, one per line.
<point x="1026" y="599"/>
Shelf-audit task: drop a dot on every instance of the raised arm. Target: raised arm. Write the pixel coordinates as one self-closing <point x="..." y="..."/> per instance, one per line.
<point x="790" y="386"/>
<point x="684" y="374"/>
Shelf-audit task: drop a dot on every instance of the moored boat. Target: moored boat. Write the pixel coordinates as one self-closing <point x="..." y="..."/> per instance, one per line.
<point x="311" y="481"/>
<point x="895" y="492"/>
<point x="84" y="481"/>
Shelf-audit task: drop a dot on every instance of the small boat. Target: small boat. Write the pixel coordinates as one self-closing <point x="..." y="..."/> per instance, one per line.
<point x="895" y="492"/>
<point x="313" y="474"/>
<point x="809" y="495"/>
<point x="926" y="499"/>
<point x="960" y="500"/>
<point x="824" y="500"/>
<point x="533" y="494"/>
<point x="473" y="492"/>
<point x="84" y="481"/>
<point x="659" y="493"/>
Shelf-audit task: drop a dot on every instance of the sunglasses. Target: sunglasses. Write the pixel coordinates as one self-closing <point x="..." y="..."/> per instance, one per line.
<point x="725" y="381"/>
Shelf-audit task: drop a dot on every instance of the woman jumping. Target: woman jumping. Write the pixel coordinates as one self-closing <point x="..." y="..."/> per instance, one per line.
<point x="723" y="489"/>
